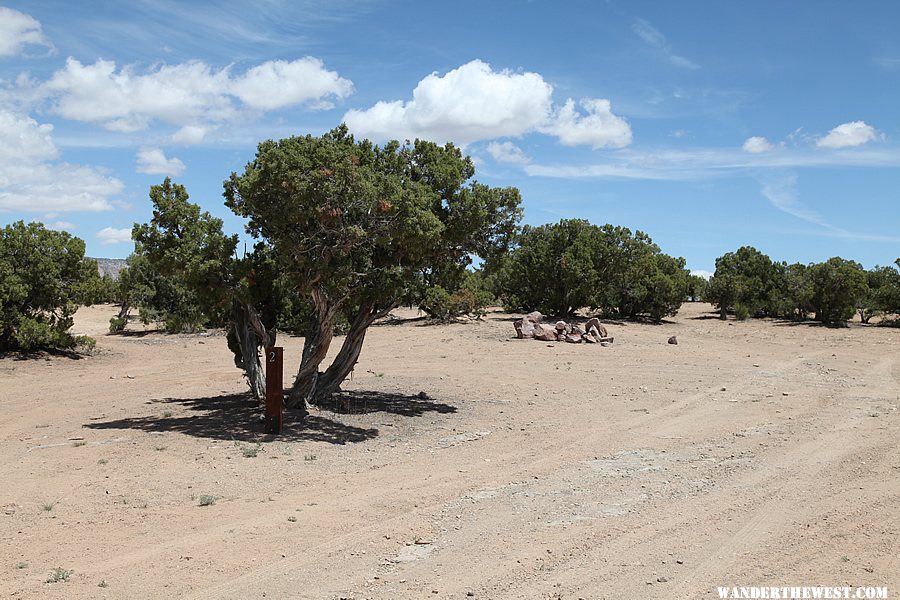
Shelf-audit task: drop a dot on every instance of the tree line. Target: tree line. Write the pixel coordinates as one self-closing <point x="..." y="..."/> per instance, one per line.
<point x="750" y="284"/>
<point x="344" y="231"/>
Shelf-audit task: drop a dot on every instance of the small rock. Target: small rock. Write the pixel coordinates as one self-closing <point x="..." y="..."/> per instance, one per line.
<point x="673" y="340"/>
<point x="662" y="579"/>
<point x="724" y="389"/>
<point x="785" y="393"/>
<point x="470" y="594"/>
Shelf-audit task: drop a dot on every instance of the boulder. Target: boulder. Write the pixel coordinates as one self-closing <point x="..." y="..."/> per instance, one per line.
<point x="545" y="333"/>
<point x="562" y="327"/>
<point x="595" y="323"/>
<point x="574" y="338"/>
<point x="525" y="325"/>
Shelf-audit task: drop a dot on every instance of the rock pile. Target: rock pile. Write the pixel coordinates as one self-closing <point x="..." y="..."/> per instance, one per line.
<point x="531" y="326"/>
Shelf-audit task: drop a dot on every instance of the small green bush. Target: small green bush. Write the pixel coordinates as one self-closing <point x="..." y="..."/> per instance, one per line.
<point x="741" y="312"/>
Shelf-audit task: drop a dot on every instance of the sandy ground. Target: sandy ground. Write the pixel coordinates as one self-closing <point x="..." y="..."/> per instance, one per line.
<point x="757" y="453"/>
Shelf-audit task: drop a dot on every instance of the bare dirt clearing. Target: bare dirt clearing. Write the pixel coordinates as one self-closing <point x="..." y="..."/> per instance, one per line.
<point x="754" y="453"/>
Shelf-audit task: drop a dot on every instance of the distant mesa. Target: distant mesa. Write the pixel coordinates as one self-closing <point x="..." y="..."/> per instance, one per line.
<point x="110" y="266"/>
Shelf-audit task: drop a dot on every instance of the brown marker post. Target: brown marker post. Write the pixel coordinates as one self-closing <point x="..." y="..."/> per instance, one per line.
<point x="274" y="389"/>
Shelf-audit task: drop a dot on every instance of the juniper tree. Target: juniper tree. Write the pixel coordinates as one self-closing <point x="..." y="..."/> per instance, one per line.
<point x="353" y="225"/>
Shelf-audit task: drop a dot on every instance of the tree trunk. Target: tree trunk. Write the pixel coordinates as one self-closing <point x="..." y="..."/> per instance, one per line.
<point x="723" y="312"/>
<point x="329" y="381"/>
<point x="249" y="342"/>
<point x="315" y="349"/>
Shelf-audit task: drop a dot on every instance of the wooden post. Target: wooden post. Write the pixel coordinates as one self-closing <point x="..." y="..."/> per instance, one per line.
<point x="274" y="389"/>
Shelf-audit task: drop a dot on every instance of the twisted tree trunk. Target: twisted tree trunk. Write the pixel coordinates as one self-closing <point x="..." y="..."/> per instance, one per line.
<point x="251" y="335"/>
<point x="330" y="381"/>
<point x="315" y="349"/>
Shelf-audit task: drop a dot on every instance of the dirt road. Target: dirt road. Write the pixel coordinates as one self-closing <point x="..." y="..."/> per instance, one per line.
<point x="756" y="453"/>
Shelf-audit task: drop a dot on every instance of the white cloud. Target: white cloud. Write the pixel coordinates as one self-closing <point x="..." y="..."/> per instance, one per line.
<point x="33" y="180"/>
<point x="473" y="102"/>
<point x="108" y="235"/>
<point x="276" y="84"/>
<point x="190" y="135"/>
<point x="507" y="152"/>
<point x="599" y="128"/>
<point x="18" y="31"/>
<point x="707" y="163"/>
<point x="757" y="145"/>
<point x="61" y="226"/>
<point x="654" y="38"/>
<point x="153" y="161"/>
<point x="702" y="273"/>
<point x="855" y="133"/>
<point x="185" y="94"/>
<point x="781" y="193"/>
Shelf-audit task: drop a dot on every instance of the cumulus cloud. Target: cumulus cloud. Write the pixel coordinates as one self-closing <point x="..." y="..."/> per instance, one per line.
<point x="474" y="102"/>
<point x="757" y="144"/>
<point x="32" y="178"/>
<point x="846" y="135"/>
<point x="109" y="235"/>
<point x="507" y="152"/>
<point x="153" y="161"/>
<point x="599" y="128"/>
<point x="469" y="103"/>
<point x="278" y="83"/>
<point x="18" y="31"/>
<point x="61" y="226"/>
<point x="190" y="135"/>
<point x="702" y="273"/>
<point x="186" y="94"/>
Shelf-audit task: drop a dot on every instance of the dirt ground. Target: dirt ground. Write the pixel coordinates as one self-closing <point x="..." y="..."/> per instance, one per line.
<point x="754" y="453"/>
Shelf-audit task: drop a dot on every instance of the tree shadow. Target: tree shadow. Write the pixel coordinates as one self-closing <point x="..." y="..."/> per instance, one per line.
<point x="817" y="324"/>
<point x="238" y="417"/>
<point x="19" y="355"/>
<point x="706" y="317"/>
<point x="359" y="402"/>
<point x="391" y="320"/>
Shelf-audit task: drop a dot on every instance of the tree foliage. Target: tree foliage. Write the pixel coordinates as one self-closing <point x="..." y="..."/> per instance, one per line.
<point x="44" y="276"/>
<point x="353" y="226"/>
<point x="562" y="267"/>
<point x="749" y="283"/>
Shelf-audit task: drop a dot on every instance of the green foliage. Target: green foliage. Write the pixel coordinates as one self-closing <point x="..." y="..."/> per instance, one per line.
<point x="361" y="222"/>
<point x="181" y="264"/>
<point x="99" y="290"/>
<point x="43" y="277"/>
<point x="470" y="298"/>
<point x="741" y="312"/>
<point x="696" y="288"/>
<point x="560" y="268"/>
<point x="838" y="286"/>
<point x="882" y="295"/>
<point x="746" y="277"/>
<point x="437" y="303"/>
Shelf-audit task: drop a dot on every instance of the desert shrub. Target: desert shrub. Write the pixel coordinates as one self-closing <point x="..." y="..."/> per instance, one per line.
<point x="43" y="278"/>
<point x="436" y="303"/>
<point x="741" y="312"/>
<point x="838" y="286"/>
<point x="746" y="277"/>
<point x="560" y="268"/>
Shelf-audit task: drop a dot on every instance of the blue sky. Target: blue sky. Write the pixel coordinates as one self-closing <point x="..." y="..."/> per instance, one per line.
<point x="708" y="125"/>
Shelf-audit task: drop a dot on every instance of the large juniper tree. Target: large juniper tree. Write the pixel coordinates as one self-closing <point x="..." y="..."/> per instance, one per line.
<point x="354" y="225"/>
